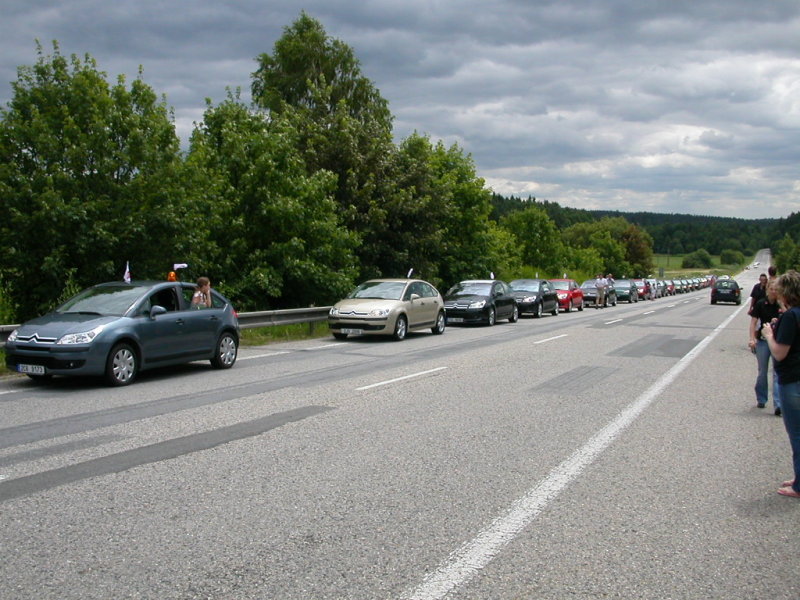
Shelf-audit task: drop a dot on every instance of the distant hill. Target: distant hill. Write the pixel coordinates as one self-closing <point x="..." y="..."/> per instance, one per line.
<point x="672" y="233"/>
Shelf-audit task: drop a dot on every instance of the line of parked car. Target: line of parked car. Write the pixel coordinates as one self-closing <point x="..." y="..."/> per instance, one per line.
<point x="394" y="307"/>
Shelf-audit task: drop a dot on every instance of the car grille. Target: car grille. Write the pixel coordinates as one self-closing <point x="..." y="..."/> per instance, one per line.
<point x="45" y="361"/>
<point x="352" y="313"/>
<point x="456" y="305"/>
<point x="35" y="339"/>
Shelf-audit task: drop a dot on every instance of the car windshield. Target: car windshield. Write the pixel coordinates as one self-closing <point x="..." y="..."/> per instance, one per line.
<point x="726" y="285"/>
<point x="379" y="290"/>
<point x="109" y="300"/>
<point x="560" y="285"/>
<point x="622" y="283"/>
<point x="589" y="284"/>
<point x="522" y="285"/>
<point x="471" y="288"/>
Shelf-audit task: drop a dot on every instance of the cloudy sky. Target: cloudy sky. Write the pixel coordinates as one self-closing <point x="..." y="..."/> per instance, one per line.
<point x="634" y="105"/>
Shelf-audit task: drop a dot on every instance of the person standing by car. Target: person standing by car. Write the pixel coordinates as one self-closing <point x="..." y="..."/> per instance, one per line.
<point x="764" y="312"/>
<point x="202" y="293"/>
<point x="600" y="285"/>
<point x="784" y="344"/>
<point x="759" y="290"/>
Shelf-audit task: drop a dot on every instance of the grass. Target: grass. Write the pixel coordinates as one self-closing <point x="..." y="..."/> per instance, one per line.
<point x="261" y="336"/>
<point x="671" y="263"/>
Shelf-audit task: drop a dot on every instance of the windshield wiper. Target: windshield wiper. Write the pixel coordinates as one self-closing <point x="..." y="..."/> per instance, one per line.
<point x="82" y="312"/>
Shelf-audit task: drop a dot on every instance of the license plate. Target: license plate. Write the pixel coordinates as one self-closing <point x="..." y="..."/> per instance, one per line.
<point x="31" y="369"/>
<point x="455" y="319"/>
<point x="352" y="331"/>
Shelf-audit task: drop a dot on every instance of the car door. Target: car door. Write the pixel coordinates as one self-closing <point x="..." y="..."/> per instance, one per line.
<point x="503" y="300"/>
<point x="161" y="336"/>
<point x="549" y="297"/>
<point x="201" y="324"/>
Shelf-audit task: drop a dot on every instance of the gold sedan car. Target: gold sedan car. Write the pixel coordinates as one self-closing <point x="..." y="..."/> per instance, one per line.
<point x="388" y="307"/>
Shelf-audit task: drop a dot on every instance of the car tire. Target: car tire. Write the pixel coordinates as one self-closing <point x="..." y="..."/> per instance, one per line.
<point x="441" y="323"/>
<point x="580" y="307"/>
<point x="555" y="310"/>
<point x="491" y="318"/>
<point x="514" y="315"/>
<point x="537" y="312"/>
<point x="400" y="328"/>
<point x="569" y="307"/>
<point x="713" y="302"/>
<point x="339" y="336"/>
<point x="227" y="349"/>
<point x="122" y="365"/>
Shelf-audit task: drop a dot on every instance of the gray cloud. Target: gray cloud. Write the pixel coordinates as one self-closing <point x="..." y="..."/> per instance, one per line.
<point x="625" y="104"/>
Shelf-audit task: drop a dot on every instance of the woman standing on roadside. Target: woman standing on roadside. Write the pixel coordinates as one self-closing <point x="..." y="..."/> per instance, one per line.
<point x="784" y="344"/>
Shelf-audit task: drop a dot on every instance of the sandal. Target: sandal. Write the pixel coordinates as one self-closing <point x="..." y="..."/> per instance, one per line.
<point x="788" y="491"/>
<point x="789" y="483"/>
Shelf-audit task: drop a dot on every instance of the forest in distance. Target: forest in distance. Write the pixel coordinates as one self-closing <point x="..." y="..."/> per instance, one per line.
<point x="289" y="200"/>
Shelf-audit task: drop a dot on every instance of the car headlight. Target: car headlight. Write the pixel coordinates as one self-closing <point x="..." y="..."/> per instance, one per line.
<point x="528" y="299"/>
<point x="333" y="312"/>
<point x="84" y="337"/>
<point x="13" y="336"/>
<point x="379" y="312"/>
<point x="477" y="304"/>
<point x="562" y="296"/>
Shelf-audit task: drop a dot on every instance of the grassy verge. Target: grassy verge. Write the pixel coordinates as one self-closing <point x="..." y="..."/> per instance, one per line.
<point x="261" y="336"/>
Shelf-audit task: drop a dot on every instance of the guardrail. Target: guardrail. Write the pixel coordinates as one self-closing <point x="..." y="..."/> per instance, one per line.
<point x="249" y="320"/>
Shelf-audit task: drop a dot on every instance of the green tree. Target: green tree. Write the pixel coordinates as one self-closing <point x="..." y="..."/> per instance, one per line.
<point x="731" y="257"/>
<point x="787" y="254"/>
<point x="90" y="176"/>
<point x="537" y="238"/>
<point x="276" y="238"/>
<point x="344" y="125"/>
<point x="699" y="259"/>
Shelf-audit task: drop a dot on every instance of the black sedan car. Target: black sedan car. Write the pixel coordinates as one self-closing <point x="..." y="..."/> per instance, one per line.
<point x="590" y="294"/>
<point x="480" y="301"/>
<point x="626" y="290"/>
<point x="535" y="296"/>
<point x="118" y="329"/>
<point x="726" y="290"/>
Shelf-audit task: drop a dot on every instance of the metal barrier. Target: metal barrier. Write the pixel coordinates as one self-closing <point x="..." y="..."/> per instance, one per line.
<point x="249" y="320"/>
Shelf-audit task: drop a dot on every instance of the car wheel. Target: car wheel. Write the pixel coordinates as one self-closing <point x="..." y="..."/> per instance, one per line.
<point x="491" y="317"/>
<point x="569" y="307"/>
<point x="339" y="336"/>
<point x="441" y="323"/>
<point x="537" y="312"/>
<point x="713" y="302"/>
<point x="122" y="365"/>
<point x="514" y="315"/>
<point x="400" y="328"/>
<point x="555" y="310"/>
<point x="614" y="303"/>
<point x="227" y="350"/>
<point x="580" y="307"/>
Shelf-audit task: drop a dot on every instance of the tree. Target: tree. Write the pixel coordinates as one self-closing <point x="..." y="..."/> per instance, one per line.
<point x="90" y="177"/>
<point x="277" y="238"/>
<point x="699" y="259"/>
<point x="731" y="257"/>
<point x="344" y="124"/>
<point x="537" y="238"/>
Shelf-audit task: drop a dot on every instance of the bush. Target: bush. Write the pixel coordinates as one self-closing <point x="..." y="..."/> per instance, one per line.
<point x="731" y="257"/>
<point x="699" y="259"/>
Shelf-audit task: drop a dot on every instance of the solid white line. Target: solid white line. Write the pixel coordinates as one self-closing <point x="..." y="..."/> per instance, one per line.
<point x="10" y="392"/>
<point x="321" y="347"/>
<point x="551" y="339"/>
<point x="366" y="387"/>
<point x="614" y="321"/>
<point x="649" y="312"/>
<point x="463" y="564"/>
<point x="263" y="355"/>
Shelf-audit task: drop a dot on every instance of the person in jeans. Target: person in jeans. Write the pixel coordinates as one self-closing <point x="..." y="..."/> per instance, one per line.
<point x="784" y="344"/>
<point x="765" y="311"/>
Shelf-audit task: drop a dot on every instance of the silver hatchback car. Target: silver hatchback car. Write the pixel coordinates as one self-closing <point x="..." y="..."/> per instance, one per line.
<point x="118" y="329"/>
<point x="388" y="307"/>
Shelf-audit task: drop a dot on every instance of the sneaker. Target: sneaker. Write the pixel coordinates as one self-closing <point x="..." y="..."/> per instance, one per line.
<point x="760" y="405"/>
<point x="778" y="412"/>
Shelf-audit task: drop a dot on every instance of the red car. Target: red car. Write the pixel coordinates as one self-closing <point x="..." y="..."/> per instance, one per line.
<point x="570" y="294"/>
<point x="643" y="295"/>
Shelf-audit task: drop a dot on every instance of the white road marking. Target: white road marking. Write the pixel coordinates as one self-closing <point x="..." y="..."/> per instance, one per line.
<point x="321" y="347"/>
<point x="551" y="339"/>
<point x="396" y="379"/>
<point x="612" y="322"/>
<point x="649" y="312"/>
<point x="263" y="355"/>
<point x="466" y="562"/>
<point x="10" y="392"/>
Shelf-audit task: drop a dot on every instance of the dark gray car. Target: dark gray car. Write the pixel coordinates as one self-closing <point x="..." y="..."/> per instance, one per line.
<point x="118" y="329"/>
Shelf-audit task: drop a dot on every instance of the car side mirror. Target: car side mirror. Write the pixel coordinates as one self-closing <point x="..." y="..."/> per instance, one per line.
<point x="415" y="297"/>
<point x="157" y="310"/>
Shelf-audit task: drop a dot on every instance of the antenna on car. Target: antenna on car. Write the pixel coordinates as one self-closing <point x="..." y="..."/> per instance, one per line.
<point x="410" y="271"/>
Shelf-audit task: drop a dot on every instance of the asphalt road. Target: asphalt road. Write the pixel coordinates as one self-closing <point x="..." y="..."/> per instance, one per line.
<point x="612" y="453"/>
